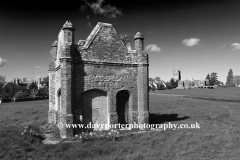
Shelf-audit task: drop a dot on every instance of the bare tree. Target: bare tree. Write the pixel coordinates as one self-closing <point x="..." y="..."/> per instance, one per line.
<point x="126" y="37"/>
<point x="2" y="78"/>
<point x="157" y="79"/>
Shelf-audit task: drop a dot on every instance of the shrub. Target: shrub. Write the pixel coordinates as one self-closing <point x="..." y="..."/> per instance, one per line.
<point x="43" y="92"/>
<point x="231" y="85"/>
<point x="33" y="92"/>
<point x="168" y="85"/>
<point x="32" y="135"/>
<point x="90" y="136"/>
<point x="32" y="132"/>
<point x="162" y="87"/>
<point x="20" y="94"/>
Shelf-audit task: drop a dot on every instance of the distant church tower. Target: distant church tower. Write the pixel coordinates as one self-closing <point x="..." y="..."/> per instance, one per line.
<point x="176" y="74"/>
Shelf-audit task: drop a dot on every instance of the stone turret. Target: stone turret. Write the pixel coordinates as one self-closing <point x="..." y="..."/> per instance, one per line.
<point x="138" y="38"/>
<point x="66" y="78"/>
<point x="68" y="29"/>
<point x="54" y="50"/>
<point x="143" y="97"/>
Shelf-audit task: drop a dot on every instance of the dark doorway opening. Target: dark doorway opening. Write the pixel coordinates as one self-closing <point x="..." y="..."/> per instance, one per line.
<point x="122" y="104"/>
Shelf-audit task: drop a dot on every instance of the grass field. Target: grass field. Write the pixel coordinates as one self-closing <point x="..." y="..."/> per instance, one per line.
<point x="218" y="137"/>
<point x="231" y="94"/>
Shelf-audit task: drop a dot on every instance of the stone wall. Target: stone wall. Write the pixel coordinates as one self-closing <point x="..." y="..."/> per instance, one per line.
<point x="108" y="78"/>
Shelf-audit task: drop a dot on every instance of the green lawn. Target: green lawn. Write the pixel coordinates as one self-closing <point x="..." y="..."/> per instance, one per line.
<point x="218" y="93"/>
<point x="218" y="137"/>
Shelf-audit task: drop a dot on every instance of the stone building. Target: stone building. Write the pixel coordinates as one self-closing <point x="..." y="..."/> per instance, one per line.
<point x="9" y="89"/>
<point x="97" y="81"/>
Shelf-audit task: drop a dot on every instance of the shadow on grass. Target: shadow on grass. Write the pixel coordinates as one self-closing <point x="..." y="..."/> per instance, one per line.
<point x="155" y="118"/>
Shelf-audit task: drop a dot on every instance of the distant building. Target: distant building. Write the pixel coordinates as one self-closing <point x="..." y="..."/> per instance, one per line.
<point x="176" y="74"/>
<point x="188" y="83"/>
<point x="9" y="89"/>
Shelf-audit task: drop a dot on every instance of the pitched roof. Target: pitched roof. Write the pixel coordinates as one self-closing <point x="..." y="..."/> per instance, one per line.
<point x="94" y="33"/>
<point x="26" y="84"/>
<point x="20" y="86"/>
<point x="13" y="85"/>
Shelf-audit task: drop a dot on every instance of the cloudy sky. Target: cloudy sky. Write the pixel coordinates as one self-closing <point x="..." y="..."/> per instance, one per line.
<point x="196" y="36"/>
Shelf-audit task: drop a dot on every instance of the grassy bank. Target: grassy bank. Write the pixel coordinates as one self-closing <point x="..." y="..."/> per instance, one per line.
<point x="217" y="138"/>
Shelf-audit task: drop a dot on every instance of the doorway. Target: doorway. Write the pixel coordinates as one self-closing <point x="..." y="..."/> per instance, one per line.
<point x="122" y="104"/>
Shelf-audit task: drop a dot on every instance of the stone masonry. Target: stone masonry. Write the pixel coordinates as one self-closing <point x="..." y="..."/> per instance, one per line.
<point x="97" y="81"/>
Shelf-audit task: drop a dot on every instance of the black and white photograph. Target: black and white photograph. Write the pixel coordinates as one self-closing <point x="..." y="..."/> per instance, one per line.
<point x="120" y="80"/>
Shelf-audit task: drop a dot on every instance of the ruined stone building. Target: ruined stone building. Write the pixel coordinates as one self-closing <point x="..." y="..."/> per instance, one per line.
<point x="98" y="80"/>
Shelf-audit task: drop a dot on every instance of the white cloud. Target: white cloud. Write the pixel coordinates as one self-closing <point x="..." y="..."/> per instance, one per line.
<point x="191" y="42"/>
<point x="89" y="24"/>
<point x="40" y="68"/>
<point x="236" y="46"/>
<point x="37" y="67"/>
<point x="107" y="10"/>
<point x="153" y="48"/>
<point x="3" y="62"/>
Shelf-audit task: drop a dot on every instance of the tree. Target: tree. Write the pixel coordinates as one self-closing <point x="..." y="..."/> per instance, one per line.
<point x="43" y="91"/>
<point x="162" y="87"/>
<point x="2" y="79"/>
<point x="220" y="84"/>
<point x="33" y="92"/>
<point x="236" y="80"/>
<point x="229" y="82"/>
<point x="157" y="79"/>
<point x="213" y="79"/>
<point x="19" y="95"/>
<point x="208" y="77"/>
<point x="173" y="83"/>
<point x="150" y="80"/>
<point x="45" y="81"/>
<point x="126" y="37"/>
<point x="168" y="85"/>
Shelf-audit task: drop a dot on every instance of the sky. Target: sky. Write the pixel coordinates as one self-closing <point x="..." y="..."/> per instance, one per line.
<point x="196" y="36"/>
